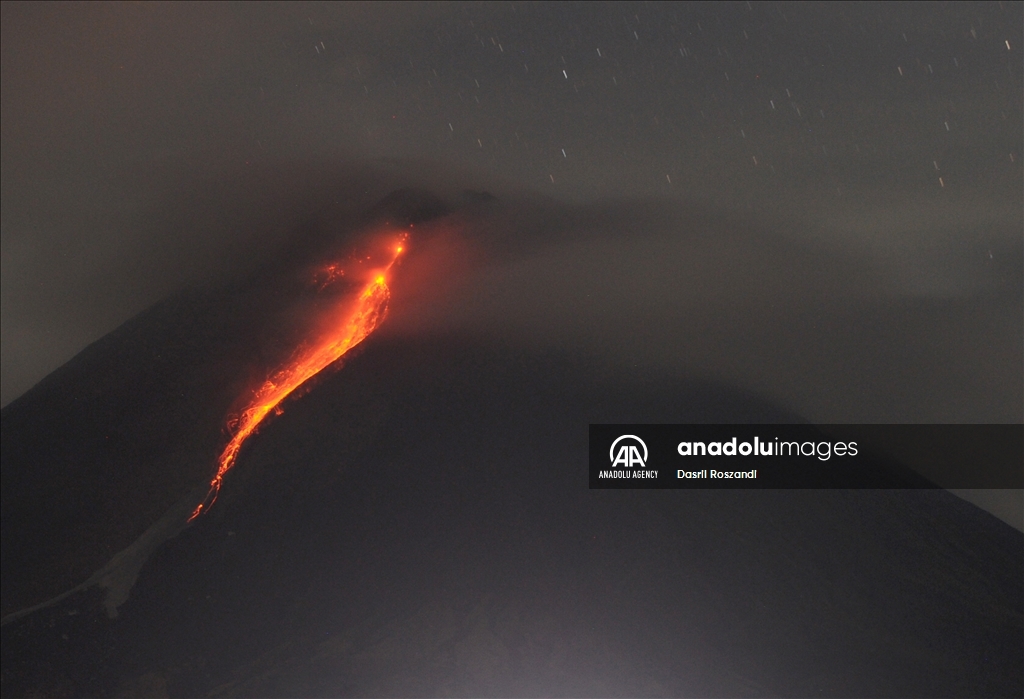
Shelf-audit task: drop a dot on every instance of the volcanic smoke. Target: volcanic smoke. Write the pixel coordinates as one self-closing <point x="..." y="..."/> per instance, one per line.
<point x="354" y="324"/>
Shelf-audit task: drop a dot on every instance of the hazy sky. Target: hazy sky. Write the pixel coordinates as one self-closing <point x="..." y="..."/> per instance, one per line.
<point x="142" y="142"/>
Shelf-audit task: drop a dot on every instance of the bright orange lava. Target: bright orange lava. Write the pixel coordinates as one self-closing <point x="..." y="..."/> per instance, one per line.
<point x="368" y="313"/>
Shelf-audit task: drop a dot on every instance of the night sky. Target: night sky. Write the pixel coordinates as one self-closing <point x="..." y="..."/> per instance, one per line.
<point x="894" y="129"/>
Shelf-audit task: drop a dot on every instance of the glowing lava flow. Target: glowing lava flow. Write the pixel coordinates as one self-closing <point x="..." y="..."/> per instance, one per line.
<point x="370" y="309"/>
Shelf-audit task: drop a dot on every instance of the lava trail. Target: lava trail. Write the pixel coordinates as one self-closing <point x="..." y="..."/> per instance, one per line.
<point x="353" y="325"/>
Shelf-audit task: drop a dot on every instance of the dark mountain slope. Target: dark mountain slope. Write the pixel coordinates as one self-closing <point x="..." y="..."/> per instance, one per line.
<point x="420" y="524"/>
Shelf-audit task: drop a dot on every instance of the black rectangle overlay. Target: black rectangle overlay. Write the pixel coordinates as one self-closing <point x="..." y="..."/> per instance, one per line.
<point x="806" y="456"/>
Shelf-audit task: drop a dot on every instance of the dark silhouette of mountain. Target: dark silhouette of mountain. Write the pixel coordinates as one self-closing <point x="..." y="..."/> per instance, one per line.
<point x="419" y="524"/>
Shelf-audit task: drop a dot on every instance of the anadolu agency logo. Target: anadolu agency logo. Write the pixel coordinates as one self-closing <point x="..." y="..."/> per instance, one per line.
<point x="627" y="455"/>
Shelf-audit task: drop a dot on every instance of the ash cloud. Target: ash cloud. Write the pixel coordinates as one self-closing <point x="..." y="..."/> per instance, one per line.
<point x="151" y="148"/>
<point x="831" y="326"/>
<point x="835" y="332"/>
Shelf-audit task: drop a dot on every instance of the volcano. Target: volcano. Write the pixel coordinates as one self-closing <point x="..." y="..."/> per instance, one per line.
<point x="417" y="522"/>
